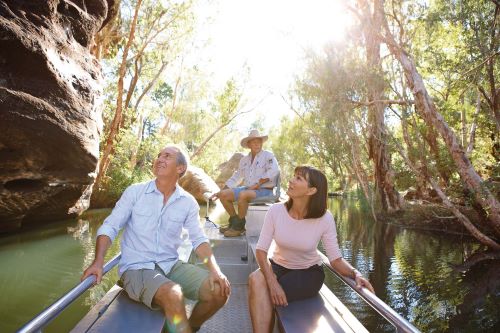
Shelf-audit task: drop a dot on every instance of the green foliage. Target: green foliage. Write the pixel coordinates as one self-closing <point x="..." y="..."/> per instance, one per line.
<point x="447" y="40"/>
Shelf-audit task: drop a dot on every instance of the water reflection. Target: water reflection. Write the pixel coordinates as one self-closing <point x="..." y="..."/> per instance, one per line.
<point x="414" y="273"/>
<point x="420" y="275"/>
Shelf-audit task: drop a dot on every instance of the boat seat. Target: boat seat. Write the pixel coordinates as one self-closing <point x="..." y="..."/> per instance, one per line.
<point x="322" y="313"/>
<point x="270" y="198"/>
<point x="116" y="312"/>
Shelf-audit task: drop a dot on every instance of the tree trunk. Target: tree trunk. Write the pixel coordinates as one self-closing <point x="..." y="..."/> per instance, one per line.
<point x="476" y="233"/>
<point x="463" y="119"/>
<point x="472" y="135"/>
<point x="115" y="124"/>
<point x="423" y="172"/>
<point x="360" y="172"/>
<point x="430" y="137"/>
<point x="389" y="197"/>
<point x="428" y="111"/>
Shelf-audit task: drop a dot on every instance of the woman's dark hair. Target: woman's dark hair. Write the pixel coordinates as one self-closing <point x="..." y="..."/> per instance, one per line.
<point x="317" y="202"/>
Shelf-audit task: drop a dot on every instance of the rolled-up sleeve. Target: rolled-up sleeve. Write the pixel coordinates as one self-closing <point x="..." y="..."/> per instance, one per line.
<point x="272" y="168"/>
<point x="237" y="176"/>
<point x="267" y="232"/>
<point x="329" y="240"/>
<point x="119" y="216"/>
<point x="192" y="225"/>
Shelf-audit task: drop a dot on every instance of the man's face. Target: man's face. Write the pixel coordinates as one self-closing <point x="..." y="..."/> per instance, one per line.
<point x="165" y="164"/>
<point x="255" y="145"/>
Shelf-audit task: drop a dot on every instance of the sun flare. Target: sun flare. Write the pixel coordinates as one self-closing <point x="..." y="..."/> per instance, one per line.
<point x="271" y="38"/>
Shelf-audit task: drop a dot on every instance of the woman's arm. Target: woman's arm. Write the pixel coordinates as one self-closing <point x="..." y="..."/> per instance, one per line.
<point x="278" y="296"/>
<point x="344" y="268"/>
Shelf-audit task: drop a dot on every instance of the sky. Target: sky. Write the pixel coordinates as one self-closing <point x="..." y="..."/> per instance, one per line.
<point x="271" y="38"/>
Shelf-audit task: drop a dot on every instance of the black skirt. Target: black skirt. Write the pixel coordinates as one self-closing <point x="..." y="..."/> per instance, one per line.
<point x="299" y="283"/>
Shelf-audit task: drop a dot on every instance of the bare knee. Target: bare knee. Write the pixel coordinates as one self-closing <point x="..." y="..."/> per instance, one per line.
<point x="213" y="297"/>
<point x="257" y="281"/>
<point x="227" y="195"/>
<point x="245" y="196"/>
<point x="169" y="295"/>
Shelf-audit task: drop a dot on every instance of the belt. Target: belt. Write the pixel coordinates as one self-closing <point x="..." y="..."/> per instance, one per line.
<point x="266" y="188"/>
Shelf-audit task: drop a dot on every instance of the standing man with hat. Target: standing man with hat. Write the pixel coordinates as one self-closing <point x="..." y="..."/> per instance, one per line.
<point x="257" y="173"/>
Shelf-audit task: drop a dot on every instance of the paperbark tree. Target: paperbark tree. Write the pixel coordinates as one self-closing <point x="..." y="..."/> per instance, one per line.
<point x="378" y="150"/>
<point x="428" y="111"/>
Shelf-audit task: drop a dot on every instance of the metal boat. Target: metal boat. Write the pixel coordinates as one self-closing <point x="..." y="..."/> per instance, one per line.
<point x="115" y="312"/>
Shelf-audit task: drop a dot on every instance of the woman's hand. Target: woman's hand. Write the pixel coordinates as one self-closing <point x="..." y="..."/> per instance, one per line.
<point x="278" y="297"/>
<point x="362" y="282"/>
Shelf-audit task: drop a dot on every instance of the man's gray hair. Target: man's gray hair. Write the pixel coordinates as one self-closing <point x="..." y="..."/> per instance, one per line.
<point x="182" y="157"/>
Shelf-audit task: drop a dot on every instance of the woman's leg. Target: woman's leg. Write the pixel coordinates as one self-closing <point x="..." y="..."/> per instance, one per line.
<point x="261" y="308"/>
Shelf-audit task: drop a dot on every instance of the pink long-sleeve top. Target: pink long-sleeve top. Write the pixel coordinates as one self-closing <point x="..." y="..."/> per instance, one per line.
<point x="297" y="240"/>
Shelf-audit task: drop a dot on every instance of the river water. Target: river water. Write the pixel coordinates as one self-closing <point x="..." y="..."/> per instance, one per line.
<point x="416" y="273"/>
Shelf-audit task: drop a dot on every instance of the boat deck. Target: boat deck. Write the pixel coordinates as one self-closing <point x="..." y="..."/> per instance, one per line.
<point x="233" y="315"/>
<point x="228" y="253"/>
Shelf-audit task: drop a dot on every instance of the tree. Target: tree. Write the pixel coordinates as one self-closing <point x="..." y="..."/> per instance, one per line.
<point x="378" y="149"/>
<point x="428" y="111"/>
<point x="156" y="33"/>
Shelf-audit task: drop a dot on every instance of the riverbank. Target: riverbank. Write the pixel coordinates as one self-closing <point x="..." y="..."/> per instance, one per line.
<point x="434" y="217"/>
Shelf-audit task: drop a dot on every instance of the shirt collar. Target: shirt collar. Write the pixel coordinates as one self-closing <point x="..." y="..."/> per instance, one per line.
<point x="179" y="191"/>
<point x="260" y="152"/>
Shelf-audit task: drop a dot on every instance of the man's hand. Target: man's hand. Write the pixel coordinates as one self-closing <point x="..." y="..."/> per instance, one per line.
<point x="277" y="293"/>
<point x="94" y="269"/>
<point x="214" y="196"/>
<point x="254" y="187"/>
<point x="216" y="276"/>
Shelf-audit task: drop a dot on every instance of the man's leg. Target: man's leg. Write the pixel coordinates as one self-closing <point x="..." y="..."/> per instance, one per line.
<point x="195" y="286"/>
<point x="210" y="301"/>
<point x="238" y="228"/>
<point x="169" y="297"/>
<point x="151" y="287"/>
<point x="227" y="198"/>
<point x="243" y="200"/>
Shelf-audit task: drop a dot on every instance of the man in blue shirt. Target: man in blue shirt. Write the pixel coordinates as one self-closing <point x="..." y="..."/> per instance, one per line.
<point x="152" y="215"/>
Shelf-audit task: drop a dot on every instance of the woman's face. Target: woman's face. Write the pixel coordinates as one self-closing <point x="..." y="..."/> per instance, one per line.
<point x="298" y="186"/>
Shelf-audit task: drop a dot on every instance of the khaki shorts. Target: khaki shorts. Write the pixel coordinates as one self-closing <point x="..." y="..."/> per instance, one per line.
<point x="141" y="285"/>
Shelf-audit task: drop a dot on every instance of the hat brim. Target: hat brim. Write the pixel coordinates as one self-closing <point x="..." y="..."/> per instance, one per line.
<point x="244" y="141"/>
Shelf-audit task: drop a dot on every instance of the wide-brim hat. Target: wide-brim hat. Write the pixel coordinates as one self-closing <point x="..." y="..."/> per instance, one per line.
<point x="254" y="134"/>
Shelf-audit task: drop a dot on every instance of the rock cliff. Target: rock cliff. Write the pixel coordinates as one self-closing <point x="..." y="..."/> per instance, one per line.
<point x="50" y="117"/>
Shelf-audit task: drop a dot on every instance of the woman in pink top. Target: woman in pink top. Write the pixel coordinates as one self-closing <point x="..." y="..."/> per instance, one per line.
<point x="294" y="271"/>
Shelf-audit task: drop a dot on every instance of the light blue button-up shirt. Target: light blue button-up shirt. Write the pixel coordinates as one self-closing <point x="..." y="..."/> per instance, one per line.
<point x="153" y="230"/>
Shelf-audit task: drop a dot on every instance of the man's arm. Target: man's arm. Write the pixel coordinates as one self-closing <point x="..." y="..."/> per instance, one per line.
<point x="237" y="176"/>
<point x="272" y="169"/>
<point x="203" y="249"/>
<point x="102" y="245"/>
<point x="204" y="252"/>
<point x="108" y="232"/>
<point x="259" y="183"/>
